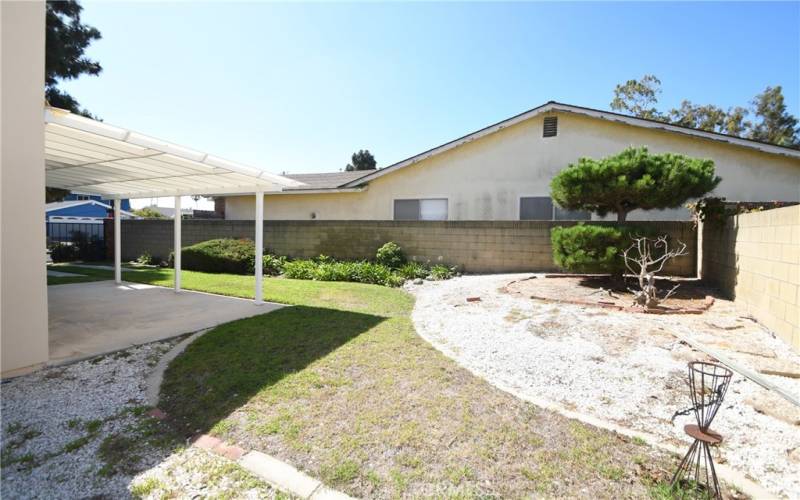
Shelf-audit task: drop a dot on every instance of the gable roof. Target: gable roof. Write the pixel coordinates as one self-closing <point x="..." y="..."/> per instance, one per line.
<point x="329" y="180"/>
<point x="553" y="106"/>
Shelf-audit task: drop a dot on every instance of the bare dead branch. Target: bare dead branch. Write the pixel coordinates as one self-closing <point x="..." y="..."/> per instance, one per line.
<point x="649" y="266"/>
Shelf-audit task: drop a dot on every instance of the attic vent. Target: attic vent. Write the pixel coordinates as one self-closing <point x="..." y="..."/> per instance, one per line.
<point x="550" y="126"/>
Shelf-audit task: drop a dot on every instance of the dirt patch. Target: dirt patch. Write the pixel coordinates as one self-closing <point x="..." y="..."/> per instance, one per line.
<point x="690" y="297"/>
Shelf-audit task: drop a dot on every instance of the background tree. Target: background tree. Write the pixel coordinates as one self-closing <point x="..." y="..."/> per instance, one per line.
<point x="638" y="97"/>
<point x="633" y="179"/>
<point x="148" y="213"/>
<point x="776" y="125"/>
<point x="772" y="122"/>
<point x="66" y="40"/>
<point x="361" y="160"/>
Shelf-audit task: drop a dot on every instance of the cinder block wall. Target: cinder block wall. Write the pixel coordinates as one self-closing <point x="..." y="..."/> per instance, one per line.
<point x="755" y="259"/>
<point x="477" y="247"/>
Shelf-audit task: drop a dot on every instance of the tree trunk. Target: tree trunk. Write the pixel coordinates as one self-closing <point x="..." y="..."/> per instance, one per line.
<point x="621" y="216"/>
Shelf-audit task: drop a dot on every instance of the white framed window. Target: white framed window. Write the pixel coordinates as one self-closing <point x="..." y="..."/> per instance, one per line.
<point x="543" y="208"/>
<point x="421" y="209"/>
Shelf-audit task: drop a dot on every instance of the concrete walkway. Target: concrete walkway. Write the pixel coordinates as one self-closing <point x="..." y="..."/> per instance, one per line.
<point x="88" y="319"/>
<point x="62" y="274"/>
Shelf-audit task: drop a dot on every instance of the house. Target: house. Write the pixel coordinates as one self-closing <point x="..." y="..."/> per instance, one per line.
<point x="503" y="172"/>
<point x="79" y="216"/>
<point x="83" y="208"/>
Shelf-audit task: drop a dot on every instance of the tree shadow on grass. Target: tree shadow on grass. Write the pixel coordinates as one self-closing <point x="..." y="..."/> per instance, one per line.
<point x="226" y="367"/>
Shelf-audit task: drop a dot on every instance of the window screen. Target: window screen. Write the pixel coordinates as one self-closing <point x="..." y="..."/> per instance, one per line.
<point x="427" y="209"/>
<point x="550" y="126"/>
<point x="536" y="208"/>
<point x="433" y="209"/>
<point x="564" y="214"/>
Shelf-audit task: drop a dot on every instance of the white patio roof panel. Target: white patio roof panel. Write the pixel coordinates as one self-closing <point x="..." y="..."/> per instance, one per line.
<point x="92" y="157"/>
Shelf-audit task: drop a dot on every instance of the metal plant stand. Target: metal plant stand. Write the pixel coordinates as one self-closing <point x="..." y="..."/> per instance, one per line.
<point x="708" y="383"/>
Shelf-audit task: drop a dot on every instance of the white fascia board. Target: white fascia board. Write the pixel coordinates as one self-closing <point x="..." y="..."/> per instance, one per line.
<point x="566" y="108"/>
<point x="316" y="191"/>
<point x="452" y="144"/>
<point x="639" y="122"/>
<point x="218" y="191"/>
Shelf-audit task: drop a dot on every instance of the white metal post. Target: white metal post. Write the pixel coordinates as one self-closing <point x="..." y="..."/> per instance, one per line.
<point x="259" y="247"/>
<point x="176" y="246"/>
<point x="117" y="242"/>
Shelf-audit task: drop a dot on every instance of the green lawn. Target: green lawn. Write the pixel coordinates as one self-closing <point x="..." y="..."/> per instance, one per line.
<point x="342" y="387"/>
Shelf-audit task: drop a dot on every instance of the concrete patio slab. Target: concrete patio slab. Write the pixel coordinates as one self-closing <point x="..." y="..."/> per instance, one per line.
<point x="88" y="319"/>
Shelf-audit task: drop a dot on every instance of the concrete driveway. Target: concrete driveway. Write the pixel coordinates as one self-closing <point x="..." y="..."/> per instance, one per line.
<point x="87" y="319"/>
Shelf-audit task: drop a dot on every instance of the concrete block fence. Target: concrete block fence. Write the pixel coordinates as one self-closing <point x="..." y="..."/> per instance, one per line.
<point x="474" y="246"/>
<point x="754" y="259"/>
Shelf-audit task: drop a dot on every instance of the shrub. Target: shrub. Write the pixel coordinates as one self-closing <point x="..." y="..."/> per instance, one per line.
<point x="300" y="269"/>
<point x="145" y="259"/>
<point x="63" y="252"/>
<point x="273" y="264"/>
<point x="225" y="255"/>
<point x="330" y="270"/>
<point x="589" y="249"/>
<point x="335" y="271"/>
<point x="378" y="274"/>
<point x="440" y="272"/>
<point x="412" y="271"/>
<point x="391" y="255"/>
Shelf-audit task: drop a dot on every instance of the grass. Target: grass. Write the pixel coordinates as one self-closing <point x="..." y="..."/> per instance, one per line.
<point x="343" y="388"/>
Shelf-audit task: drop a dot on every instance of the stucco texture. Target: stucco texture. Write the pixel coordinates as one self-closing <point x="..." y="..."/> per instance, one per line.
<point x="484" y="179"/>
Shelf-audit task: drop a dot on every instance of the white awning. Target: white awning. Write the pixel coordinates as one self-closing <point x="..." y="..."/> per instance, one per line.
<point x="92" y="157"/>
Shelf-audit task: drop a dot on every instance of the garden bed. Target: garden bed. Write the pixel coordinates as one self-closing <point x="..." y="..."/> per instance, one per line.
<point x="691" y="297"/>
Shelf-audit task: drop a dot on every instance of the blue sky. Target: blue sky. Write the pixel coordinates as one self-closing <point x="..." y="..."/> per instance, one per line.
<point x="299" y="87"/>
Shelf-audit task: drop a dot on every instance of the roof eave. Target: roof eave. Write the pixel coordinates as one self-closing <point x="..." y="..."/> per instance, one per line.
<point x="553" y="106"/>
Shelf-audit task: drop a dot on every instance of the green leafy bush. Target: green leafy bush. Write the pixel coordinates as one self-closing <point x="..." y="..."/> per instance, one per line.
<point x="440" y="272"/>
<point x="300" y="269"/>
<point x="412" y="271"/>
<point x="589" y="249"/>
<point x="330" y="270"/>
<point x="391" y="255"/>
<point x="63" y="252"/>
<point x="273" y="264"/>
<point x="224" y="255"/>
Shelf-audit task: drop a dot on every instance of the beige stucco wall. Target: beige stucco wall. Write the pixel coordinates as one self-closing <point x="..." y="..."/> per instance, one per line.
<point x="754" y="258"/>
<point x="484" y="179"/>
<point x="23" y="289"/>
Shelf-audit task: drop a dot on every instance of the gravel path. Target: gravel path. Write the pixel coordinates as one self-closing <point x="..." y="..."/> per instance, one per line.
<point x="620" y="367"/>
<point x="82" y="431"/>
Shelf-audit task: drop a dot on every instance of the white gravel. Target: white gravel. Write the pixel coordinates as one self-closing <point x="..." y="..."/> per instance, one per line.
<point x="54" y="405"/>
<point x="621" y="367"/>
<point x="44" y="412"/>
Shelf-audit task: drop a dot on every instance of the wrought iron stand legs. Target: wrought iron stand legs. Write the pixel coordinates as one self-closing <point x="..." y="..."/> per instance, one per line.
<point x="697" y="468"/>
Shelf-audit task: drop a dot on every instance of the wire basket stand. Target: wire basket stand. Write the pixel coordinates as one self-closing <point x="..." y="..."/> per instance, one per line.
<point x="708" y="383"/>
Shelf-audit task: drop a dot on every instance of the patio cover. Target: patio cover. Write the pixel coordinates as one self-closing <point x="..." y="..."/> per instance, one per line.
<point x="91" y="157"/>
